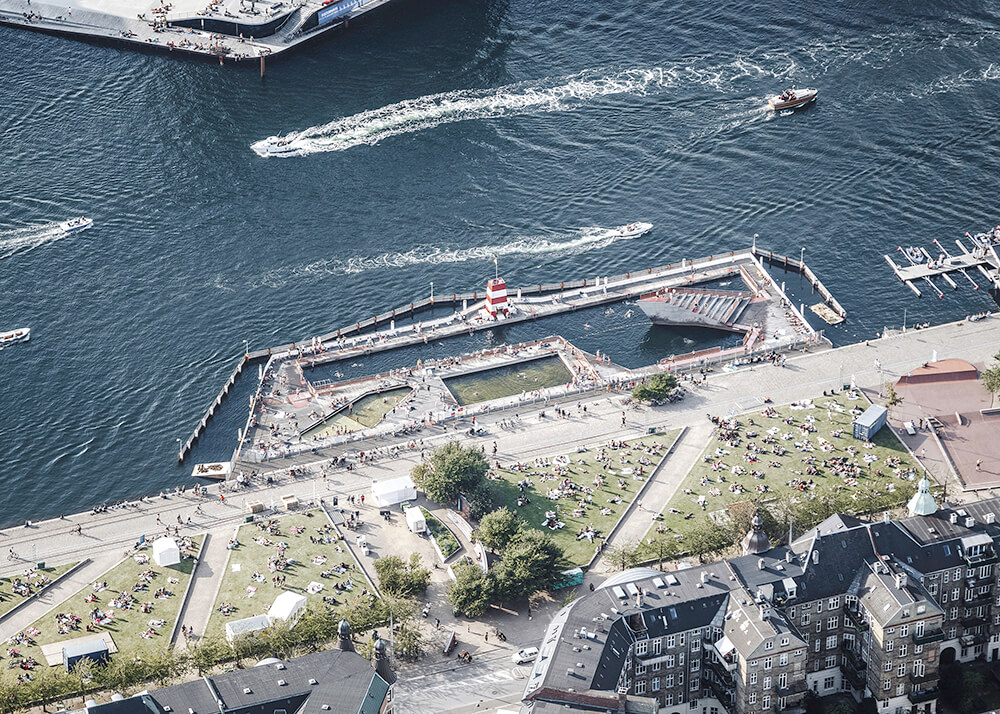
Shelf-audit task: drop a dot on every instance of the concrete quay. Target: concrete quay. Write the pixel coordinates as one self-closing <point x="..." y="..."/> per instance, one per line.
<point x="105" y="536"/>
<point x="230" y="30"/>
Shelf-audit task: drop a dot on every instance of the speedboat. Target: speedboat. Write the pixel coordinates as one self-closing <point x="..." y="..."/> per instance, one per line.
<point x="792" y="99"/>
<point x="633" y="230"/>
<point x="76" y="224"/>
<point x="276" y="146"/>
<point x="21" y="334"/>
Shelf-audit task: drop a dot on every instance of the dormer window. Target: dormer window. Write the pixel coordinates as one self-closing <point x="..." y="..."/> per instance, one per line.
<point x="769" y="645"/>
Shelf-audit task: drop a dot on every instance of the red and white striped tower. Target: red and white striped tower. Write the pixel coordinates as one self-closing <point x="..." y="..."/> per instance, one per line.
<point x="496" y="296"/>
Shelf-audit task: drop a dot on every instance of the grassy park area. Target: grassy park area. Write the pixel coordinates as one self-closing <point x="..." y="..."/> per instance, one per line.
<point x="302" y="548"/>
<point x="789" y="457"/>
<point x="136" y="602"/>
<point x="567" y="495"/>
<point x="17" y="588"/>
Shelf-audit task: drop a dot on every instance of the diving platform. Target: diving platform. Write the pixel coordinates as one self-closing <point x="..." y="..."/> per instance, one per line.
<point x="978" y="256"/>
<point x="693" y="307"/>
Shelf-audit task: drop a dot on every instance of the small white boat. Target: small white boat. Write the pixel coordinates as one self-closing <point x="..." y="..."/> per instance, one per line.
<point x="792" y="99"/>
<point x="276" y="146"/>
<point x="21" y="334"/>
<point x="633" y="230"/>
<point x="76" y="224"/>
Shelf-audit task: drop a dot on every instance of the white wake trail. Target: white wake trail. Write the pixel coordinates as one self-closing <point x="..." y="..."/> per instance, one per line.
<point x="586" y="239"/>
<point x="412" y="115"/>
<point x="20" y="240"/>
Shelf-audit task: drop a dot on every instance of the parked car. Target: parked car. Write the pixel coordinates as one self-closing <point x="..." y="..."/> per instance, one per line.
<point x="524" y="656"/>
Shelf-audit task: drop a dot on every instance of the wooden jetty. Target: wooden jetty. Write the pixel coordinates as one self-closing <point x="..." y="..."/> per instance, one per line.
<point x="924" y="267"/>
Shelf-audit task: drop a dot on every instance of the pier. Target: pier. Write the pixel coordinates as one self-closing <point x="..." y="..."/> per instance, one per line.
<point x="232" y="31"/>
<point x="923" y="267"/>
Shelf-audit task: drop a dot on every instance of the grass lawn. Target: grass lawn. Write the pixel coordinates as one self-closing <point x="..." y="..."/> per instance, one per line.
<point x="364" y="413"/>
<point x="35" y="579"/>
<point x="714" y="479"/>
<point x="590" y="503"/>
<point x="126" y="626"/>
<point x="258" y="546"/>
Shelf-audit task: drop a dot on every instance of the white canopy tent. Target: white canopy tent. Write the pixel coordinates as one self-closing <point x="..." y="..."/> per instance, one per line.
<point x="286" y="608"/>
<point x="246" y="626"/>
<point x="392" y="491"/>
<point x="166" y="552"/>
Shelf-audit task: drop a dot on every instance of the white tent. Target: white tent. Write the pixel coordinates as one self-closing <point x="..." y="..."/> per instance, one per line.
<point x="286" y="608"/>
<point x="246" y="626"/>
<point x="415" y="520"/>
<point x="393" y="491"/>
<point x="166" y="552"/>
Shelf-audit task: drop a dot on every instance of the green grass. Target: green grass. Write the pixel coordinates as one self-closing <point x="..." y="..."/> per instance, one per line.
<point x="9" y="599"/>
<point x="582" y="470"/>
<point x="441" y="535"/>
<point x="790" y="467"/>
<point x="499" y="382"/>
<point x="127" y="626"/>
<point x="253" y="557"/>
<point x="364" y="413"/>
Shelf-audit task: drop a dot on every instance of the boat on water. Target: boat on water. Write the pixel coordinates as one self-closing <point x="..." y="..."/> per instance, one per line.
<point x="633" y="230"/>
<point x="276" y="146"/>
<point x="76" y="224"/>
<point x="21" y="334"/>
<point x="792" y="99"/>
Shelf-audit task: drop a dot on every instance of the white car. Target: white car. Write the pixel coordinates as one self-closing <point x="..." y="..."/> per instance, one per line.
<point x="524" y="656"/>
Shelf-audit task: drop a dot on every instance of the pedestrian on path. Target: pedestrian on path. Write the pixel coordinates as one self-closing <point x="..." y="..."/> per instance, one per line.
<point x="979" y="465"/>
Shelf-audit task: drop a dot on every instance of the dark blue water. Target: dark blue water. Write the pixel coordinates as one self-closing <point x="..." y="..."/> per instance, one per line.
<point x="556" y="117"/>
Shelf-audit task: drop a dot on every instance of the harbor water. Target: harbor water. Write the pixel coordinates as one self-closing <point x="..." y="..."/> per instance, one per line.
<point x="431" y="138"/>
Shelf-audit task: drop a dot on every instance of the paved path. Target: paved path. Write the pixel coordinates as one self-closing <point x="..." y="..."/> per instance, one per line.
<point x="206" y="581"/>
<point x="660" y="490"/>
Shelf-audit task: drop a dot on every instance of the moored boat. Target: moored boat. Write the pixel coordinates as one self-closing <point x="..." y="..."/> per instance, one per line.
<point x="21" y="334"/>
<point x="76" y="224"/>
<point x="792" y="99"/>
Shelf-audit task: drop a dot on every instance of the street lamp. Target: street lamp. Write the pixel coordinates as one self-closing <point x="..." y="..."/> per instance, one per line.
<point x="246" y="347"/>
<point x="802" y="259"/>
<point x="432" y="291"/>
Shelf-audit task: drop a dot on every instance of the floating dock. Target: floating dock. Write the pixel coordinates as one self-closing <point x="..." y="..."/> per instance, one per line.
<point x="980" y="255"/>
<point x="230" y="30"/>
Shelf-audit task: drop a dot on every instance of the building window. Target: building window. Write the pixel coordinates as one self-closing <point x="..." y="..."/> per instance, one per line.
<point x="952" y="632"/>
<point x="831" y="624"/>
<point x="904" y="630"/>
<point x="655" y="684"/>
<point x="668" y="700"/>
<point x="834" y="603"/>
<point x="818" y="645"/>
<point x="640" y="668"/>
<point x="918" y="668"/>
<point x="791" y="613"/>
<point x="889" y="645"/>
<point x="958" y="575"/>
<point x="695" y="664"/>
<point x="768" y="661"/>
<point x="752" y="698"/>
<point x="641" y="647"/>
<point x="903" y="647"/>
<point x="828" y="682"/>
<point x="819" y="606"/>
<point x="885" y="703"/>
<point x="754" y="662"/>
<point x="782" y="659"/>
<point x="917" y="649"/>
<point x="946" y="577"/>
<point x="753" y="678"/>
<point x="955" y="593"/>
<point x="831" y="642"/>
<point x="668" y="681"/>
<point x="680" y="659"/>
<point x="900" y="689"/>
<point x="887" y="685"/>
<point x="767" y="683"/>
<point x="680" y="639"/>
<point x="669" y="661"/>
<point x="831" y="661"/>
<point x="901" y="669"/>
<point x="670" y="640"/>
<point x="656" y="665"/>
<point x="805" y="618"/>
<point x="782" y="680"/>
<point x="640" y="686"/>
<point x="784" y="641"/>
<point x="657" y="646"/>
<point x="769" y="645"/>
<point x="765" y="702"/>
<point x="953" y="613"/>
<point x="888" y="665"/>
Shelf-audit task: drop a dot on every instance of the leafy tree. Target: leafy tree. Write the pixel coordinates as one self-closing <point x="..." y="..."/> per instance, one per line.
<point x="208" y="652"/>
<point x="471" y="592"/>
<point x="892" y="399"/>
<point x="662" y="547"/>
<point x="451" y="469"/>
<point x="10" y="696"/>
<point x="408" y="641"/>
<point x="708" y="537"/>
<point x="498" y="528"/>
<point x="480" y="498"/>
<point x="532" y="562"/>
<point x="402" y="578"/>
<point x="657" y="388"/>
<point x="624" y="556"/>
<point x="990" y="378"/>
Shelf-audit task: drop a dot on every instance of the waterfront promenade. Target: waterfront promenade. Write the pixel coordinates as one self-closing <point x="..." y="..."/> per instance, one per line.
<point x="106" y="536"/>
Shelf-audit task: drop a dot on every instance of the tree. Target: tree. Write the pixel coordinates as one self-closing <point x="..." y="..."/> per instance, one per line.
<point x="892" y="399"/>
<point x="990" y="378"/>
<point x="663" y="546"/>
<point x="451" y="469"/>
<point x="208" y="652"/>
<point x="624" y="556"/>
<point x="471" y="592"/>
<point x="532" y="562"/>
<point x="708" y="537"/>
<point x="408" y="641"/>
<point x="498" y="528"/>
<point x="399" y="577"/>
<point x="657" y="388"/>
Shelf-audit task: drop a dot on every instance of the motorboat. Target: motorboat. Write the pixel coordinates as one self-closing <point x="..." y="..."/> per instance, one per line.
<point x="633" y="230"/>
<point x="276" y="146"/>
<point x="21" y="334"/>
<point x="792" y="99"/>
<point x="76" y="224"/>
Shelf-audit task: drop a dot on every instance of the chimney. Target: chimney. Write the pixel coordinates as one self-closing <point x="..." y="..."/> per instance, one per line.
<point x="760" y="563"/>
<point x="815" y="557"/>
<point x="900" y="581"/>
<point x="765" y="610"/>
<point x="969" y="522"/>
<point x="789" y="557"/>
<point x="704" y="577"/>
<point x="991" y="518"/>
<point x="885" y="517"/>
<point x="953" y="518"/>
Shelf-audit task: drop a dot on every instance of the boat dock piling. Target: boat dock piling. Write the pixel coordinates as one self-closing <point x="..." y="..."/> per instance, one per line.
<point x="211" y="410"/>
<point x="799" y="266"/>
<point x="922" y="266"/>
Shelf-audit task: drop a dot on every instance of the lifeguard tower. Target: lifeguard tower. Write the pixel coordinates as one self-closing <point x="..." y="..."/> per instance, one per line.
<point x="496" y="297"/>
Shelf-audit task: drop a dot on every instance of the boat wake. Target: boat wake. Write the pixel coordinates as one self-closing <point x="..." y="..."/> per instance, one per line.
<point x="21" y="240"/>
<point x="585" y="240"/>
<point x="414" y="115"/>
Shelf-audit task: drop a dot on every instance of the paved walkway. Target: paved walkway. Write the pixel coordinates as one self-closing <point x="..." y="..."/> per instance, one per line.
<point x="205" y="584"/>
